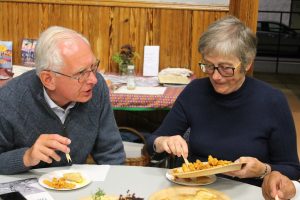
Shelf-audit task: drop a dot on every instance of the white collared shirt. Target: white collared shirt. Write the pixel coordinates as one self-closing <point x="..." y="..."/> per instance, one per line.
<point x="60" y="112"/>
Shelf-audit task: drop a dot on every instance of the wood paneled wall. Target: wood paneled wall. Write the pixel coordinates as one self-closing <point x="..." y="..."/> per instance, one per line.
<point x="109" y="24"/>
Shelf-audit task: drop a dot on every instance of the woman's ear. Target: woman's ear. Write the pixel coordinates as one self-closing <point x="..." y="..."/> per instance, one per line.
<point x="248" y="66"/>
<point x="48" y="80"/>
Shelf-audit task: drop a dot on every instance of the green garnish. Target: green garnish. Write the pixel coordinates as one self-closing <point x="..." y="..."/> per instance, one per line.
<point x="98" y="195"/>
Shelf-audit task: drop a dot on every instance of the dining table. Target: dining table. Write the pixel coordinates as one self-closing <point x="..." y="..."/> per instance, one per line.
<point x="143" y="181"/>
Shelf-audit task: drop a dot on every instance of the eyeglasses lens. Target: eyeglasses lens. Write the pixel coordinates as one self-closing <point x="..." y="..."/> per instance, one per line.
<point x="84" y="75"/>
<point x="210" y="69"/>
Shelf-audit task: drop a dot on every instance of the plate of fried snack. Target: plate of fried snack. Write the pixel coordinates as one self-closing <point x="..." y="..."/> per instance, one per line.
<point x="188" y="193"/>
<point x="198" y="168"/>
<point x="64" y="180"/>
<point x="195" y="181"/>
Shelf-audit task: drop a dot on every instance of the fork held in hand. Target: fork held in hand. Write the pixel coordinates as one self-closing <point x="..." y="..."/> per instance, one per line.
<point x="185" y="160"/>
<point x="68" y="158"/>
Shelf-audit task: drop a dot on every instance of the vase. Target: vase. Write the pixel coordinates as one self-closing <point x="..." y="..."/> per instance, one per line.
<point x="123" y="69"/>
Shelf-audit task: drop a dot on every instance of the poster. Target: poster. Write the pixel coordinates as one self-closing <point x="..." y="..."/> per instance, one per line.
<point x="5" y="59"/>
<point x="27" y="52"/>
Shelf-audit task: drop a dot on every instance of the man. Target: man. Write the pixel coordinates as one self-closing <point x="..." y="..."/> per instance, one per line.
<point x="277" y="186"/>
<point x="60" y="108"/>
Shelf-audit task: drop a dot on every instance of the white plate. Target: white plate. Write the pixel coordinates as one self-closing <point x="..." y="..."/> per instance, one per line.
<point x="59" y="174"/>
<point x="202" y="180"/>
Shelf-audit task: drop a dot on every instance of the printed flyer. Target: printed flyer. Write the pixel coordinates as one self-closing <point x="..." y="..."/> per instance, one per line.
<point x="5" y="59"/>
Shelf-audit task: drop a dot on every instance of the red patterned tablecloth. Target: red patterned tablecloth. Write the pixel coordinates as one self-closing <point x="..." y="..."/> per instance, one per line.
<point x="145" y="102"/>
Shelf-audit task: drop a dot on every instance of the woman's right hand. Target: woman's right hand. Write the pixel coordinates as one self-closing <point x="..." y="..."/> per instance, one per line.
<point x="172" y="144"/>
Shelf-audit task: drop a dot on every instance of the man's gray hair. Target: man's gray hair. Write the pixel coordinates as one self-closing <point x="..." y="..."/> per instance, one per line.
<point x="47" y="53"/>
<point x="229" y="37"/>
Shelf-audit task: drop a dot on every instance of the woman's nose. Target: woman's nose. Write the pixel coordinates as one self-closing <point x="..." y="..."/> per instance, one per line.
<point x="216" y="75"/>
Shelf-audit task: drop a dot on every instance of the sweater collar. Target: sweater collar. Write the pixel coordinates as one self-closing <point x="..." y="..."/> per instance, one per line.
<point x="233" y="95"/>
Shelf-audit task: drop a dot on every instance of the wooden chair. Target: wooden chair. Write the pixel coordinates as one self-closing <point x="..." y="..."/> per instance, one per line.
<point x="136" y="153"/>
<point x="141" y="157"/>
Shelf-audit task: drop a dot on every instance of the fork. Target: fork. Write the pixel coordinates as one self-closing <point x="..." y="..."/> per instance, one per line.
<point x="68" y="158"/>
<point x="185" y="160"/>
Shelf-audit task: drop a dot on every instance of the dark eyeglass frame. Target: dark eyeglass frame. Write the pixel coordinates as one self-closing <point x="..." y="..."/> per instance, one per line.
<point x="83" y="75"/>
<point x="204" y="66"/>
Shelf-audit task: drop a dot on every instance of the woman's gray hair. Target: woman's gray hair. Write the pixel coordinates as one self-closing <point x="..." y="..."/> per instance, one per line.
<point x="47" y="53"/>
<point x="229" y="37"/>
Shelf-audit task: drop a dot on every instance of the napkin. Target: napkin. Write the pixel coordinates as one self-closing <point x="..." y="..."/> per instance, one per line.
<point x="95" y="172"/>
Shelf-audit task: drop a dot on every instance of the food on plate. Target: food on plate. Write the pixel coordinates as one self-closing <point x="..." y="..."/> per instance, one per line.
<point x="129" y="196"/>
<point x="198" y="165"/>
<point x="188" y="193"/>
<point x="100" y="195"/>
<point x="196" y="180"/>
<point x="59" y="183"/>
<point x="67" y="181"/>
<point x="73" y="176"/>
<point x="203" y="195"/>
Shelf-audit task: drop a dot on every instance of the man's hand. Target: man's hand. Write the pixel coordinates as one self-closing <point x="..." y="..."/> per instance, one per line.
<point x="172" y="144"/>
<point x="44" y="149"/>
<point x="276" y="184"/>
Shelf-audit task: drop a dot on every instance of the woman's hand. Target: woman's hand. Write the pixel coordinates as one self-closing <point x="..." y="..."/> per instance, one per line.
<point x="171" y="144"/>
<point x="252" y="168"/>
<point x="276" y="184"/>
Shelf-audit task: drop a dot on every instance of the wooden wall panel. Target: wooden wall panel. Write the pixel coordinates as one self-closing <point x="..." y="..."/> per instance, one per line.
<point x="108" y="27"/>
<point x="200" y="22"/>
<point x="247" y="11"/>
<point x="175" y="45"/>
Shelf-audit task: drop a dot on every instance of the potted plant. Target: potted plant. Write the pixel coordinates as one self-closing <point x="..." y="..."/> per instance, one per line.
<point x="125" y="57"/>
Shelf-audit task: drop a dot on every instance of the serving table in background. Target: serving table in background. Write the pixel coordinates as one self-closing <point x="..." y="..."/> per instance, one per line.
<point x="131" y="108"/>
<point x="129" y="102"/>
<point x="145" y="102"/>
<point x="143" y="181"/>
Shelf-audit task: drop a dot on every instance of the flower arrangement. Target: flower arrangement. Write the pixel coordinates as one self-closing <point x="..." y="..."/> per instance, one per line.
<point x="125" y="57"/>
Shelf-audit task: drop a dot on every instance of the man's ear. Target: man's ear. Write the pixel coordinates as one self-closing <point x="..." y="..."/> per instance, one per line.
<point x="48" y="80"/>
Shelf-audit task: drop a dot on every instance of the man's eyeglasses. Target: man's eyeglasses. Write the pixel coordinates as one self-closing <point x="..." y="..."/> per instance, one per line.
<point x="225" y="71"/>
<point x="81" y="76"/>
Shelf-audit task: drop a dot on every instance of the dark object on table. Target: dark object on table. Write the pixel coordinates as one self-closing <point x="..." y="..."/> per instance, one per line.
<point x="129" y="196"/>
<point x="12" y="196"/>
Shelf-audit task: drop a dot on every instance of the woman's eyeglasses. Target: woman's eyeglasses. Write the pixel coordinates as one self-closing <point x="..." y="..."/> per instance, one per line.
<point x="225" y="71"/>
<point x="82" y="76"/>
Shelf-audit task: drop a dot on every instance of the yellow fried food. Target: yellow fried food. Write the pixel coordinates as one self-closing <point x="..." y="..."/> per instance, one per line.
<point x="59" y="183"/>
<point x="201" y="195"/>
<point x="198" y="165"/>
<point x="73" y="176"/>
<point x="205" y="195"/>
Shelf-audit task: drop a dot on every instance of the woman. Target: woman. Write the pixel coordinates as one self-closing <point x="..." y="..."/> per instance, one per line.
<point x="231" y="116"/>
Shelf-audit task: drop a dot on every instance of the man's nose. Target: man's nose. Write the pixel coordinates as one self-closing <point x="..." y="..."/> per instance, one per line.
<point x="92" y="78"/>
